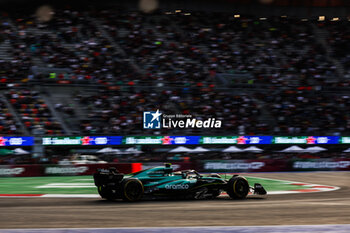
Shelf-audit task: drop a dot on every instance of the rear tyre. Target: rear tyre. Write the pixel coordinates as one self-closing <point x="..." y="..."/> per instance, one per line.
<point x="238" y="187"/>
<point x="132" y="189"/>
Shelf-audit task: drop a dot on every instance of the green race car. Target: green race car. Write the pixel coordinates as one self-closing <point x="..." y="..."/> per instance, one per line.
<point x="163" y="182"/>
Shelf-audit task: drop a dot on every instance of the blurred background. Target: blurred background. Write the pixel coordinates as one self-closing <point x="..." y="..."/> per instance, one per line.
<point x="76" y="76"/>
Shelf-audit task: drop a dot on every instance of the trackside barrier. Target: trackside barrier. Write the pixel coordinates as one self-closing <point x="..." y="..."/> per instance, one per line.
<point x="321" y="165"/>
<point x="64" y="170"/>
<point x="21" y="170"/>
<point x="270" y="165"/>
<point x="261" y="165"/>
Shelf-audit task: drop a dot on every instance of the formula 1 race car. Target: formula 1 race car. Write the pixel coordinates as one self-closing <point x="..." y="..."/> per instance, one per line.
<point x="162" y="182"/>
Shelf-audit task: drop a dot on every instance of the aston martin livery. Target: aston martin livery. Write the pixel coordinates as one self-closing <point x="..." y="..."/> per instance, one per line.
<point x="163" y="182"/>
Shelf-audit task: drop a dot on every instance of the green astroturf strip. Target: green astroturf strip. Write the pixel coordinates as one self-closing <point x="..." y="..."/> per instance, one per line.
<point x="29" y="185"/>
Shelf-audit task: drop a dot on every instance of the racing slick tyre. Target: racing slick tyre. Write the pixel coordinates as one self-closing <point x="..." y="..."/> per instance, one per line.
<point x="237" y="187"/>
<point x="132" y="189"/>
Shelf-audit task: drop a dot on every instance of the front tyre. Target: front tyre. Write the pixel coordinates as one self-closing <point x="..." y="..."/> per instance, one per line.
<point x="237" y="187"/>
<point x="132" y="189"/>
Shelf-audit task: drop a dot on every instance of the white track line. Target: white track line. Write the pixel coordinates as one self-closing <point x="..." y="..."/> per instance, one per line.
<point x="67" y="185"/>
<point x="71" y="195"/>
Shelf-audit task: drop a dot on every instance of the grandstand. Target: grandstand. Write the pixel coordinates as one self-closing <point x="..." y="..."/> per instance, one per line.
<point x="95" y="71"/>
<point x="69" y="70"/>
<point x="227" y="88"/>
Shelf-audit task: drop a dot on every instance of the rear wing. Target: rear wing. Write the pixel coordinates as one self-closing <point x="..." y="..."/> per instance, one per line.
<point x="105" y="176"/>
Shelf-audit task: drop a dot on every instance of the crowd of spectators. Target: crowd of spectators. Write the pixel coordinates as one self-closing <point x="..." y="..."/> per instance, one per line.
<point x="338" y="39"/>
<point x="182" y="54"/>
<point x="16" y="62"/>
<point x="299" y="112"/>
<point x="65" y="108"/>
<point x="8" y="125"/>
<point x="71" y="40"/>
<point x="180" y="48"/>
<point x="177" y="48"/>
<point x="17" y="70"/>
<point x="33" y="111"/>
<point x="290" y="112"/>
<point x="121" y="112"/>
<point x="185" y="48"/>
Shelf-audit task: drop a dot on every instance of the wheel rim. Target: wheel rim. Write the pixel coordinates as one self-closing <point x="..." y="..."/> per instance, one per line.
<point x="240" y="188"/>
<point x="133" y="191"/>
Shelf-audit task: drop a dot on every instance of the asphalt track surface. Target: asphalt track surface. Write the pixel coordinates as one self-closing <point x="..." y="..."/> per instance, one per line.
<point x="289" y="209"/>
